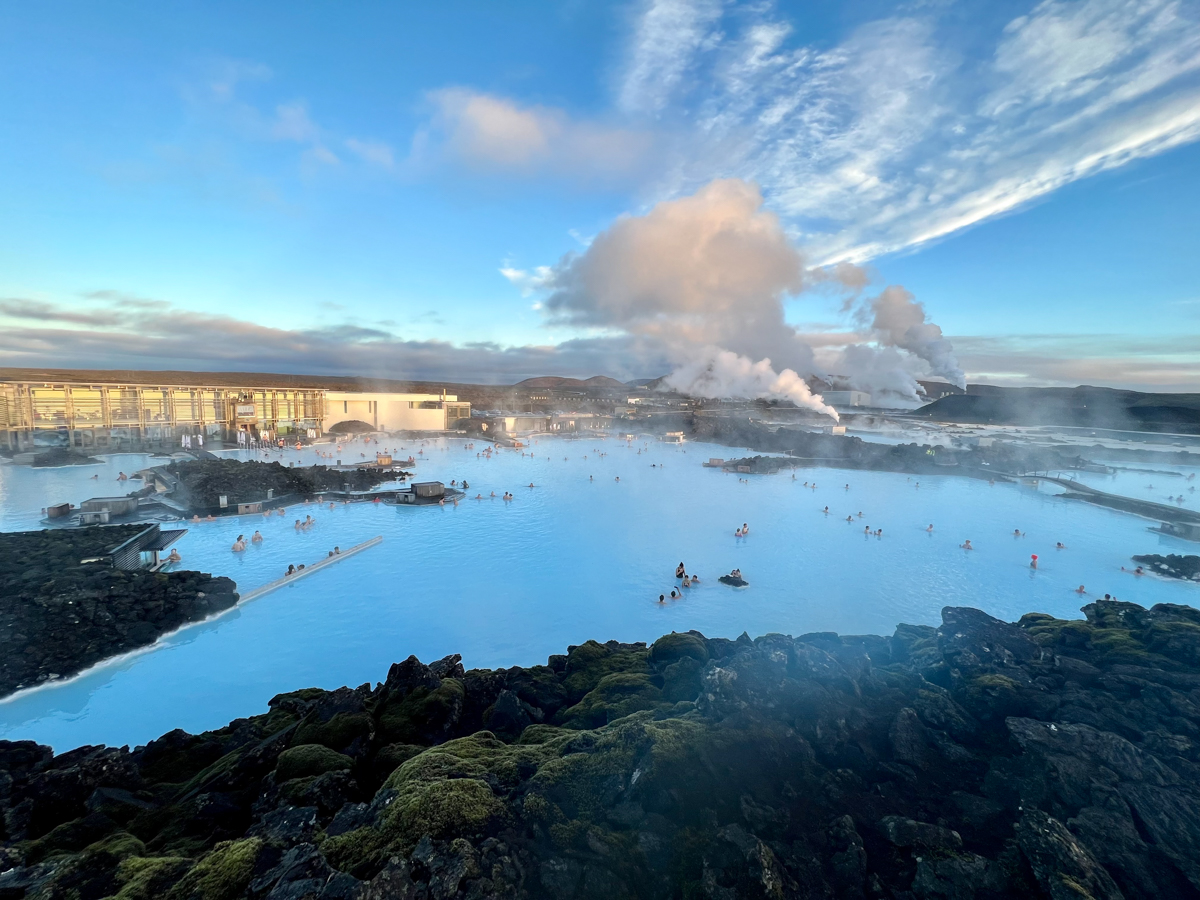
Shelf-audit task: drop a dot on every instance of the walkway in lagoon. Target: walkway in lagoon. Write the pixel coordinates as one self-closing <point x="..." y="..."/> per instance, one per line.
<point x="511" y="582"/>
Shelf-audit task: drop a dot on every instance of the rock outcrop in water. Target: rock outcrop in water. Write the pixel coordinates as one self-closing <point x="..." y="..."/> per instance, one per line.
<point x="1171" y="566"/>
<point x="59" y="616"/>
<point x="202" y="483"/>
<point x="1046" y="759"/>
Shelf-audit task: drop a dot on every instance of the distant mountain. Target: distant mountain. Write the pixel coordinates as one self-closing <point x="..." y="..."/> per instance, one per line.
<point x="1084" y="407"/>
<point x="555" y="382"/>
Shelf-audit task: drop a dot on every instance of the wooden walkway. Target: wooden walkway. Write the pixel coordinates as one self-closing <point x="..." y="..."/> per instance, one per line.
<point x="308" y="570"/>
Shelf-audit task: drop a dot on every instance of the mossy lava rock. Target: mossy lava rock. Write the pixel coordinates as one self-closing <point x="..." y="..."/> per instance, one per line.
<point x="981" y="759"/>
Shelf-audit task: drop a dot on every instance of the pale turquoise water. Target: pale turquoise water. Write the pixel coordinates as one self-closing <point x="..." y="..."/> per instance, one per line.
<point x="572" y="559"/>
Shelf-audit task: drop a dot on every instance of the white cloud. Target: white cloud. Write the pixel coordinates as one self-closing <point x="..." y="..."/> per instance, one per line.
<point x="496" y="134"/>
<point x="529" y="282"/>
<point x="292" y="123"/>
<point x="376" y="152"/>
<point x="904" y="132"/>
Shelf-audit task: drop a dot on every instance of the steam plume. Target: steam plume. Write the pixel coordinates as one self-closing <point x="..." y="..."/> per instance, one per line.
<point x="707" y="277"/>
<point x="900" y="321"/>
<point x="721" y="373"/>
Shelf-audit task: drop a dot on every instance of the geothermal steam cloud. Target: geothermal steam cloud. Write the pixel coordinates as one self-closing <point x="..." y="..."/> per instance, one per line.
<point x="707" y="277"/>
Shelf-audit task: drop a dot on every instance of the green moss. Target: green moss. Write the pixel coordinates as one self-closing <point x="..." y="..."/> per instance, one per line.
<point x="148" y="878"/>
<point x="121" y="845"/>
<point x="588" y="663"/>
<point x="357" y="851"/>
<point x="592" y="770"/>
<point x="614" y="697"/>
<point x="544" y="734"/>
<point x="338" y="733"/>
<point x="423" y="714"/>
<point x="442" y="809"/>
<point x="222" y="875"/>
<point x="479" y="755"/>
<point x="391" y="757"/>
<point x="681" y="679"/>
<point x="309" y="759"/>
<point x="671" y="647"/>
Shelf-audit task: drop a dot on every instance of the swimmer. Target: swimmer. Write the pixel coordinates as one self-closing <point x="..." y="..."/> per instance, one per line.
<point x="337" y="551"/>
<point x="95" y="477"/>
<point x="1033" y="561"/>
<point x="479" y="496"/>
<point x="291" y="570"/>
<point x="687" y="582"/>
<point x="209" y="518"/>
<point x="849" y="518"/>
<point x="738" y="533"/>
<point x="745" y="528"/>
<point x="196" y="519"/>
<point x="618" y="478"/>
<point x="256" y="538"/>
<point x="674" y="595"/>
<point x="1017" y="532"/>
<point x="238" y="546"/>
<point x="493" y="494"/>
<point x="966" y="545"/>
<point x="297" y="526"/>
<point x="860" y="513"/>
<point x="121" y="476"/>
<point x="1080" y="590"/>
<point x="174" y="557"/>
<point x="531" y="484"/>
<point x="847" y="487"/>
<point x="930" y="528"/>
<point x="695" y="579"/>
<point x="827" y="510"/>
<point x="867" y="530"/>
<point x="1139" y="571"/>
<point x="662" y="598"/>
<point x="590" y="478"/>
<point x="680" y="571"/>
<point x="1060" y="546"/>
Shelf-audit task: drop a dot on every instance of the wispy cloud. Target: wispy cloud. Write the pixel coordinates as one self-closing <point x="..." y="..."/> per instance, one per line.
<point x="904" y="132"/>
<point x="491" y="134"/>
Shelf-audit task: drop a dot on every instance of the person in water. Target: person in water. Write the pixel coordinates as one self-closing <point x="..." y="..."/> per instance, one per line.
<point x="930" y="528"/>
<point x="662" y="598"/>
<point x="1080" y="590"/>
<point x="337" y="551"/>
<point x="1060" y="546"/>
<point x="966" y="545"/>
<point x="256" y="538"/>
<point x="680" y="571"/>
<point x="673" y="594"/>
<point x="291" y="570"/>
<point x="174" y="557"/>
<point x="687" y="582"/>
<point x="745" y="529"/>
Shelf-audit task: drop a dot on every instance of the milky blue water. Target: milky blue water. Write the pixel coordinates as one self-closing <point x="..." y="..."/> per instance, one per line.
<point x="580" y="555"/>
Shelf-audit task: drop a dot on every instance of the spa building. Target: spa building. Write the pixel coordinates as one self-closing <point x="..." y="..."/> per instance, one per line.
<point x="127" y="414"/>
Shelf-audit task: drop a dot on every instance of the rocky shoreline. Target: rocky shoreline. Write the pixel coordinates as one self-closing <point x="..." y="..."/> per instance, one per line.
<point x="58" y="615"/>
<point x="1042" y="759"/>
<point x="1172" y="565"/>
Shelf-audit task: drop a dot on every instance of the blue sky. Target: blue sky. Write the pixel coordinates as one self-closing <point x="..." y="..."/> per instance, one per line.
<point x="341" y="189"/>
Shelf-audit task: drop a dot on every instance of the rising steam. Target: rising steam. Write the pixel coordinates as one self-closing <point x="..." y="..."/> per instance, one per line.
<point x="718" y="373"/>
<point x="707" y="277"/>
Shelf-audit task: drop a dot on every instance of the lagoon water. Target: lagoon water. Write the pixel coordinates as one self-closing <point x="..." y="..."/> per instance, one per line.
<point x="580" y="555"/>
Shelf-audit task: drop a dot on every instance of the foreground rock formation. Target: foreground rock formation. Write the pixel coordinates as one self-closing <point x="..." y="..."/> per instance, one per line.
<point x="58" y="615"/>
<point x="1046" y="759"/>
